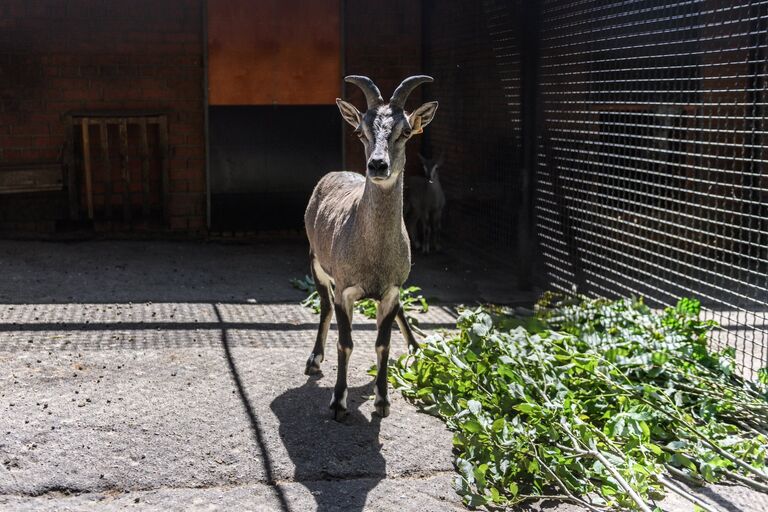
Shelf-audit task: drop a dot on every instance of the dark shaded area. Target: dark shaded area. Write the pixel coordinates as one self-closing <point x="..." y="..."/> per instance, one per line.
<point x="474" y="54"/>
<point x="265" y="161"/>
<point x="303" y="413"/>
<point x="132" y="271"/>
<point x="258" y="435"/>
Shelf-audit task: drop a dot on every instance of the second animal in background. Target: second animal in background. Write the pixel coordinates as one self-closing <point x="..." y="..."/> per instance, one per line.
<point x="424" y="203"/>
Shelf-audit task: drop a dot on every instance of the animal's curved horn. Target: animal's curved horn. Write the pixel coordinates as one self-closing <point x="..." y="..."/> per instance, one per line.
<point x="406" y="88"/>
<point x="372" y="93"/>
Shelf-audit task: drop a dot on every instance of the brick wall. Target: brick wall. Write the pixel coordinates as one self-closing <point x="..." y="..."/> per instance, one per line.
<point x="63" y="55"/>
<point x="383" y="41"/>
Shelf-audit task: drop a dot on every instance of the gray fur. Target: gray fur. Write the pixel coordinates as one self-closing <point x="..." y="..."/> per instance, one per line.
<point x="358" y="242"/>
<point x="424" y="204"/>
<point x="356" y="232"/>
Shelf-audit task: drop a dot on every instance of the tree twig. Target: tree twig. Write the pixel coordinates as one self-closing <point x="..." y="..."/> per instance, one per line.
<point x="746" y="481"/>
<point x="685" y="494"/>
<point x="624" y="484"/>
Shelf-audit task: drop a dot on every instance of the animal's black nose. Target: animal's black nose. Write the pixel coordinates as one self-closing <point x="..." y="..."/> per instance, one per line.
<point x="378" y="166"/>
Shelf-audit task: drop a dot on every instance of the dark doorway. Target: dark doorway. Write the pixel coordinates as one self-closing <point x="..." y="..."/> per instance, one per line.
<point x="265" y="161"/>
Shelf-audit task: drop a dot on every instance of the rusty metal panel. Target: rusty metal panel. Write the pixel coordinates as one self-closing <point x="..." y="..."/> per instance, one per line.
<point x="274" y="53"/>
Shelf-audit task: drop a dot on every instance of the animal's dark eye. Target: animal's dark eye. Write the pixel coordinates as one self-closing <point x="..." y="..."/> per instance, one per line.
<point x="405" y="133"/>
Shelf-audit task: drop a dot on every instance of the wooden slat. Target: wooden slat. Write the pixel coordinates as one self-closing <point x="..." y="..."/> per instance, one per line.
<point x="126" y="172"/>
<point x="107" y="168"/>
<point x="144" y="168"/>
<point x="116" y="120"/>
<point x="88" y="170"/>
<point x="73" y="192"/>
<point x="165" y="155"/>
<point x="31" y="178"/>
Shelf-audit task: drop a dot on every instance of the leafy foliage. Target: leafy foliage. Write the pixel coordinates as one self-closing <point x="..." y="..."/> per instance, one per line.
<point x="410" y="299"/>
<point x="601" y="406"/>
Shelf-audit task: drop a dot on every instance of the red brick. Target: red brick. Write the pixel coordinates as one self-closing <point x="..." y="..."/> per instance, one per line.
<point x="84" y="93"/>
<point x="179" y="223"/>
<point x="83" y="54"/>
<point x="189" y="152"/>
<point x="30" y="128"/>
<point x="196" y="223"/>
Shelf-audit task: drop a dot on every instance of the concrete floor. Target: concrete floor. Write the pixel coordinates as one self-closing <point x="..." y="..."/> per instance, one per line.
<point x="169" y="376"/>
<point x="163" y="376"/>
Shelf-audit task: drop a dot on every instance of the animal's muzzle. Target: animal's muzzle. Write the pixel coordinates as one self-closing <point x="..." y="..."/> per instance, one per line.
<point x="378" y="169"/>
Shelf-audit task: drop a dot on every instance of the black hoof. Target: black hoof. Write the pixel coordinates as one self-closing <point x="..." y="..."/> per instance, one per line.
<point x="338" y="408"/>
<point x="382" y="409"/>
<point x="313" y="365"/>
<point x="339" y="414"/>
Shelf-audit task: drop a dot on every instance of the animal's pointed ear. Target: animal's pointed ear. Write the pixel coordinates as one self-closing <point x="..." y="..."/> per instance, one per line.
<point x="423" y="160"/>
<point x="350" y="113"/>
<point x="422" y="116"/>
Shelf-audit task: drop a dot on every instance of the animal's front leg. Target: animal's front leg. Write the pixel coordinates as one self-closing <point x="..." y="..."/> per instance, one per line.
<point x="426" y="236"/>
<point x="343" y="307"/>
<point x="385" y="315"/>
<point x="436" y="230"/>
<point x="412" y="226"/>
<point x="325" y="292"/>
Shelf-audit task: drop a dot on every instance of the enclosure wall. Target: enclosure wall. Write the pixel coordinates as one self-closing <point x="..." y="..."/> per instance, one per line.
<point x="651" y="175"/>
<point x="58" y="56"/>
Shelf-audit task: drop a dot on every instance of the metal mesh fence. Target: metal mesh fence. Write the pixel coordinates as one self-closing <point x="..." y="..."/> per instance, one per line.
<point x="651" y="164"/>
<point x="473" y="51"/>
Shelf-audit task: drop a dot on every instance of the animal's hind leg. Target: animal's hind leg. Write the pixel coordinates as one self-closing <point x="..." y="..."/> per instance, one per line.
<point x="325" y="291"/>
<point x="405" y="328"/>
<point x="385" y="315"/>
<point x="412" y="226"/>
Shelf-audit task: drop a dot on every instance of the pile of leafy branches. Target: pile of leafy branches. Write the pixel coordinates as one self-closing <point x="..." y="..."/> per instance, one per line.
<point x="601" y="406"/>
<point x="410" y="299"/>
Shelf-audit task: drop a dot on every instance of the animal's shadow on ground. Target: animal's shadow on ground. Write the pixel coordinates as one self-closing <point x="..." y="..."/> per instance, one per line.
<point x="323" y="450"/>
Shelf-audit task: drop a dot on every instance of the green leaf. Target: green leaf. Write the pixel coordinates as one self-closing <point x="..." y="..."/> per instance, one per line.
<point x="472" y="426"/>
<point x="641" y="387"/>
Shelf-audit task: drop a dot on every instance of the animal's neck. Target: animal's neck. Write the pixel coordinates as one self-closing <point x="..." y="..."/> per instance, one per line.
<point x="383" y="207"/>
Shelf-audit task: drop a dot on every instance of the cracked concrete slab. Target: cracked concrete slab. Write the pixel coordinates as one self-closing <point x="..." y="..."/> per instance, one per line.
<point x="430" y="494"/>
<point x="164" y="376"/>
<point x="169" y="376"/>
<point x="191" y="417"/>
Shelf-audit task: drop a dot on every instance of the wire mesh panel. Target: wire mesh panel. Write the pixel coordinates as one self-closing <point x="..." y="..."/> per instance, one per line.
<point x="474" y="54"/>
<point x="651" y="166"/>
